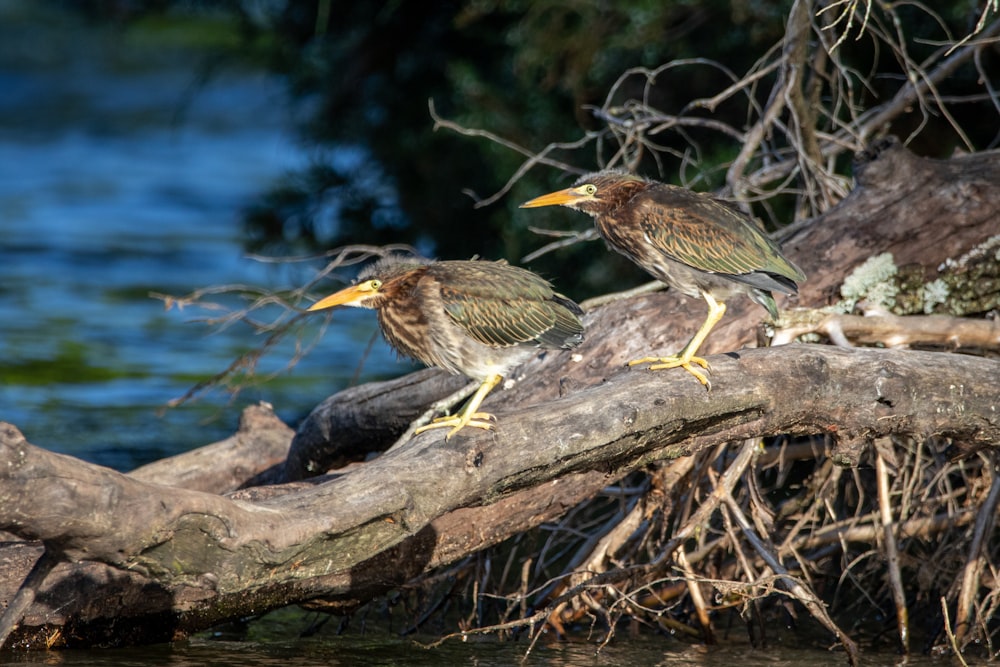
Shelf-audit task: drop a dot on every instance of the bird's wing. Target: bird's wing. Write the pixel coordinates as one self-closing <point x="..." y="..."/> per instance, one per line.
<point x="501" y="305"/>
<point x="707" y="234"/>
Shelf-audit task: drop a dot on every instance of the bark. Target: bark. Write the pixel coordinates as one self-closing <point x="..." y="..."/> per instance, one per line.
<point x="161" y="553"/>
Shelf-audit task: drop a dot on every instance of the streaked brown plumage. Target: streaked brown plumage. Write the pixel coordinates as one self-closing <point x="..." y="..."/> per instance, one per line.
<point x="691" y="241"/>
<point x="477" y="318"/>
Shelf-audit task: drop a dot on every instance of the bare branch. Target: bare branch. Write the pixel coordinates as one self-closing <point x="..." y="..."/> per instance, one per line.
<point x="533" y="158"/>
<point x="289" y="320"/>
<point x="891" y="330"/>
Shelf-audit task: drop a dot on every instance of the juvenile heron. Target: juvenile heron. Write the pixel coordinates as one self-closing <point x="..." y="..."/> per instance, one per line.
<point x="693" y="242"/>
<point x="478" y="318"/>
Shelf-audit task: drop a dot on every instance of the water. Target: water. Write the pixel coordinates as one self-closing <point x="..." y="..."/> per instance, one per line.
<point x="123" y="172"/>
<point x="387" y="651"/>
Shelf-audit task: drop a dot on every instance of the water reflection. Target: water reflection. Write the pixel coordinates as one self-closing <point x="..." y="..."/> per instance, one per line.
<point x="382" y="651"/>
<point x="122" y="172"/>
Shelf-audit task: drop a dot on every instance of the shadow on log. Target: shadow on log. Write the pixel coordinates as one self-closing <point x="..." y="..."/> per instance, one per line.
<point x="174" y="548"/>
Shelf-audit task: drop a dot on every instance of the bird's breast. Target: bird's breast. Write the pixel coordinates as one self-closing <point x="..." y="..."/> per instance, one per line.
<point x="407" y="330"/>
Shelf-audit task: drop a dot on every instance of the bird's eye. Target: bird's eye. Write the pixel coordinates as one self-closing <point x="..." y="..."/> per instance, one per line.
<point x="374" y="285"/>
<point x="590" y="189"/>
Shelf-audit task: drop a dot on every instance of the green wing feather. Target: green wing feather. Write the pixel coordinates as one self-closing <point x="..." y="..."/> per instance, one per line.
<point x="704" y="233"/>
<point x="502" y="305"/>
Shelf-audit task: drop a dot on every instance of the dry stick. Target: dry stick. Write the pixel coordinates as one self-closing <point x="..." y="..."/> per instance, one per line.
<point x="852" y="532"/>
<point x="848" y="15"/>
<point x="991" y="93"/>
<point x="951" y="635"/>
<point x="985" y="518"/>
<point x="806" y="597"/>
<point x="279" y="327"/>
<point x="821" y="187"/>
<point x="533" y="157"/>
<point x="477" y="606"/>
<point x="652" y="122"/>
<point x="797" y="52"/>
<point x="525" y="579"/>
<point x="741" y="85"/>
<point x="990" y="4"/>
<point x="615" y="538"/>
<point x="892" y="552"/>
<point x="14" y="612"/>
<point x="848" y="138"/>
<point x="797" y="31"/>
<point x="889" y="330"/>
<point x="917" y="467"/>
<point x="694" y="590"/>
<point x="752" y="615"/>
<point x="753" y="139"/>
<point x="741" y="557"/>
<point x="589" y="234"/>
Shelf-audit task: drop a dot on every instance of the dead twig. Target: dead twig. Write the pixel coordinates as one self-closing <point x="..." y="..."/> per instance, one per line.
<point x="976" y="561"/>
<point x="798" y="590"/>
<point x="951" y="635"/>
<point x="892" y="552"/>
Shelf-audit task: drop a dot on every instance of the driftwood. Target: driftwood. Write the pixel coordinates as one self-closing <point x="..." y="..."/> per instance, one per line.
<point x="162" y="553"/>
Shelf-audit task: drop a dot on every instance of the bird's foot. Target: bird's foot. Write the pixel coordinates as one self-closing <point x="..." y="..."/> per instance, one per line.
<point x="483" y="420"/>
<point x="688" y="363"/>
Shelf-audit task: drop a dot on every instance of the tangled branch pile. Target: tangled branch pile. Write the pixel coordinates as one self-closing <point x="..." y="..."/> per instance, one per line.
<point x="703" y="544"/>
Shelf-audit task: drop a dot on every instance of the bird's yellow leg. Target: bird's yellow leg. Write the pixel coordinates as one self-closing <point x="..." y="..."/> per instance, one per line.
<point x="685" y="358"/>
<point x="468" y="416"/>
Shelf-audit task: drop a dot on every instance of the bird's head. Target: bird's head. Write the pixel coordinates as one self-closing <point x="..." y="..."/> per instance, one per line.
<point x="364" y="294"/>
<point x="595" y="193"/>
<point x="380" y="282"/>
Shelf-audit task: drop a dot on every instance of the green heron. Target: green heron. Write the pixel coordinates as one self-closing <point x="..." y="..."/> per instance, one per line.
<point x="691" y="241"/>
<point x="478" y="318"/>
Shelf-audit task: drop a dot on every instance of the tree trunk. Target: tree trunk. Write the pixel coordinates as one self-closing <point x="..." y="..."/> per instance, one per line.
<point x="174" y="547"/>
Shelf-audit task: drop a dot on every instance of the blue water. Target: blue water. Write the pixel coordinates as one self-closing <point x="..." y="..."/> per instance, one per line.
<point x="123" y="171"/>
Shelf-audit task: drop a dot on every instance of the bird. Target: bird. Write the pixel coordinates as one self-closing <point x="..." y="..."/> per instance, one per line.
<point x="696" y="243"/>
<point x="474" y="317"/>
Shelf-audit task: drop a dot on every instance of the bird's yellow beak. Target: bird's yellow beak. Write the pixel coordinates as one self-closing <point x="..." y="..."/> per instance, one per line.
<point x="558" y="198"/>
<point x="349" y="296"/>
